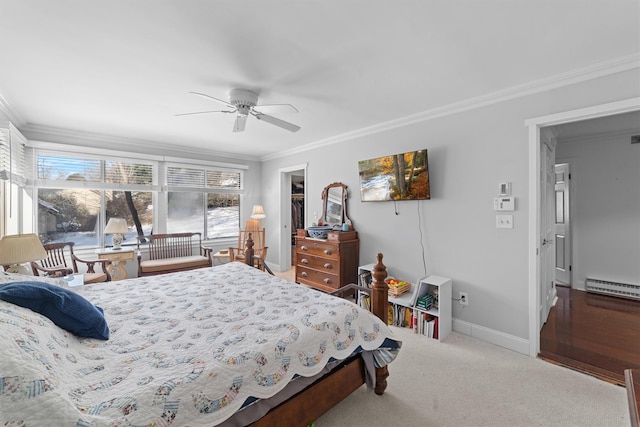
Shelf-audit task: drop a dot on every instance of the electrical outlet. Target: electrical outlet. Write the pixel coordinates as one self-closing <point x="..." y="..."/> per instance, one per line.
<point x="464" y="298"/>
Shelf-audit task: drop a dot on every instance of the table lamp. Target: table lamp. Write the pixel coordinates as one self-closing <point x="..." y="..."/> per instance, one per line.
<point x="256" y="215"/>
<point x="17" y="249"/>
<point x="117" y="227"/>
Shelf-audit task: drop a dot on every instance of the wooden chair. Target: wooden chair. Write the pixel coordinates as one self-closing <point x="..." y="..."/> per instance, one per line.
<point x="55" y="265"/>
<point x="259" y="248"/>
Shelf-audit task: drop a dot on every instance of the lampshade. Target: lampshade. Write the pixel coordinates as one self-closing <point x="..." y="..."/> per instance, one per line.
<point x="20" y="248"/>
<point x="116" y="226"/>
<point x="258" y="212"/>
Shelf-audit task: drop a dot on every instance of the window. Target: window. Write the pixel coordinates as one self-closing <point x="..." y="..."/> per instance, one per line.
<point x="136" y="207"/>
<point x="74" y="193"/>
<point x="69" y="215"/>
<point x="223" y="215"/>
<point x="206" y="199"/>
<point x="185" y="212"/>
<point x="77" y="195"/>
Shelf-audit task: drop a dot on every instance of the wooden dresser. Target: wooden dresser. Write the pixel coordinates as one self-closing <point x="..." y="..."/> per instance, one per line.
<point x="327" y="264"/>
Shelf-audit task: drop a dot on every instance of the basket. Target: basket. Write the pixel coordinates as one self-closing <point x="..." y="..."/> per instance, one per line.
<point x="395" y="290"/>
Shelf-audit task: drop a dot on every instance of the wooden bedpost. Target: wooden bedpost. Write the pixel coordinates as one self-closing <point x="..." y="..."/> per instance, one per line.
<point x="249" y="252"/>
<point x="380" y="307"/>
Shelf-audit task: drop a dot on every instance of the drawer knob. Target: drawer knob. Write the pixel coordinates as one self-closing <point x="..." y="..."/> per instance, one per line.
<point x="327" y="251"/>
<point x="303" y="247"/>
<point x="304" y="261"/>
<point x="304" y="274"/>
<point x="328" y="266"/>
<point x="327" y="281"/>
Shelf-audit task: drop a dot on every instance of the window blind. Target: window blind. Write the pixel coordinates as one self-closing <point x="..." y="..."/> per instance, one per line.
<point x="88" y="172"/>
<point x="201" y="178"/>
<point x="12" y="155"/>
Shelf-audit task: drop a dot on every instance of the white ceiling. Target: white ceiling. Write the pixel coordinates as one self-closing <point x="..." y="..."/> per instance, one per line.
<point x="124" y="68"/>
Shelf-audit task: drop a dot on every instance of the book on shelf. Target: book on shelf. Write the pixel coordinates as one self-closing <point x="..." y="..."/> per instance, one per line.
<point x="364" y="300"/>
<point x="425" y="296"/>
<point x="426" y="324"/>
<point x="435" y="327"/>
<point x="365" y="279"/>
<point x="424" y="302"/>
<point x="401" y="316"/>
<point x="391" y="320"/>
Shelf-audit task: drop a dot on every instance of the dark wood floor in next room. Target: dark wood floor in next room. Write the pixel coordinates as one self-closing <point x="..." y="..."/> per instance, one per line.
<point x="595" y="334"/>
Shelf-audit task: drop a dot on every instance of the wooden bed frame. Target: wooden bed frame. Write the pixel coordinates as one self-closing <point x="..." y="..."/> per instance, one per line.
<point x="309" y="404"/>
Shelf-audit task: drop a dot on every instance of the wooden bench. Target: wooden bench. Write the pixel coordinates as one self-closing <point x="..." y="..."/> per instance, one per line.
<point x="172" y="252"/>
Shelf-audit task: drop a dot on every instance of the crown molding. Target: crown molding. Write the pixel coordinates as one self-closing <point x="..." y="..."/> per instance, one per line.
<point x="601" y="69"/>
<point x="93" y="140"/>
<point x="9" y="113"/>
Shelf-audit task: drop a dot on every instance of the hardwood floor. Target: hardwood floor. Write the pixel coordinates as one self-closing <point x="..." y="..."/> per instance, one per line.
<point x="595" y="334"/>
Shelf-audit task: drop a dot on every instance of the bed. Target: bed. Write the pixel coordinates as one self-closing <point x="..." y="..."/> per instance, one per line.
<point x="225" y="345"/>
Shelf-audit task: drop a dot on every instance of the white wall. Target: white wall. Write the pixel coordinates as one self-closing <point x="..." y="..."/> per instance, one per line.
<point x="470" y="152"/>
<point x="605" y="197"/>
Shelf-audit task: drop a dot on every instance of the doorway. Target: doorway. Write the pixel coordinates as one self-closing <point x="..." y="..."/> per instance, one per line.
<point x="537" y="192"/>
<point x="293" y="204"/>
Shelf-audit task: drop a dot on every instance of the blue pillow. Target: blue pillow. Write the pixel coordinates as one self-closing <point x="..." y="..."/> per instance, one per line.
<point x="64" y="307"/>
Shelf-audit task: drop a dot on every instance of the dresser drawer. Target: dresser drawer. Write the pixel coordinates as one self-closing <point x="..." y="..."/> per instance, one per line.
<point x="320" y="279"/>
<point x="318" y="263"/>
<point x="312" y="247"/>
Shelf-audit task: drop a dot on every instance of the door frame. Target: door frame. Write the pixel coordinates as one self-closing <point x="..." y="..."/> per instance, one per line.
<point x="284" y="236"/>
<point x="534" y="125"/>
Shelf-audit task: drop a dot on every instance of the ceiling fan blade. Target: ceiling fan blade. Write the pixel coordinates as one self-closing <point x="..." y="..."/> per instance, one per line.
<point x="203" y="112"/>
<point x="233" y="107"/>
<point x="280" y="123"/>
<point x="241" y="121"/>
<point x="275" y="109"/>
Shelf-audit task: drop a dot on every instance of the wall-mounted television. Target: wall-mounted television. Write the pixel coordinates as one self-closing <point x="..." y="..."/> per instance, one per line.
<point x="403" y="176"/>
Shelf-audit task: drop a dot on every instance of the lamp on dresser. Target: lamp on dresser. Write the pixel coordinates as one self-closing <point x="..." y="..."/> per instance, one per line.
<point x="17" y="249"/>
<point x="118" y="227"/>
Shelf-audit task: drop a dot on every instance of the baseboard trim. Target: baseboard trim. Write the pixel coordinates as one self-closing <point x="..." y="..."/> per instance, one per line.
<point x="510" y="342"/>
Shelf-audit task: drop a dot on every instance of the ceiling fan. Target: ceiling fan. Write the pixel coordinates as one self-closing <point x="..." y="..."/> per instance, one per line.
<point x="243" y="103"/>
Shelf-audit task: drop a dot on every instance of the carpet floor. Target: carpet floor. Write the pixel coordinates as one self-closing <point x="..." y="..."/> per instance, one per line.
<point x="464" y="381"/>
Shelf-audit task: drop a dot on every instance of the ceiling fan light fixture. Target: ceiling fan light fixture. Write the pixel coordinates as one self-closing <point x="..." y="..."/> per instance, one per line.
<point x="243" y="102"/>
<point x="243" y="98"/>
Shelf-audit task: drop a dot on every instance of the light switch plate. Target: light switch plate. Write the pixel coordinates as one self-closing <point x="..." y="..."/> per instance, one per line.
<point x="504" y="221"/>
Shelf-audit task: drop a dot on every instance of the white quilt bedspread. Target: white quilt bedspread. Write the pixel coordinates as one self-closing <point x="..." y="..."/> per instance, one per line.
<point x="185" y="349"/>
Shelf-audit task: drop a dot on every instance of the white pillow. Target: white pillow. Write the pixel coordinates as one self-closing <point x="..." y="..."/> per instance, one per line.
<point x="11" y="278"/>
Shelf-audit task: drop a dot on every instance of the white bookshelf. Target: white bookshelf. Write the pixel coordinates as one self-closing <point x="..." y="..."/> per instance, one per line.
<point x="443" y="310"/>
<point x="434" y="285"/>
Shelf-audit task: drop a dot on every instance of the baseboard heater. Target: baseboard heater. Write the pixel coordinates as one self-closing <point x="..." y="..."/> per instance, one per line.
<point x="624" y="290"/>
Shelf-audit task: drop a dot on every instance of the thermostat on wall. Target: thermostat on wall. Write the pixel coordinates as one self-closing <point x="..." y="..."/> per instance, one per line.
<point x="504" y="204"/>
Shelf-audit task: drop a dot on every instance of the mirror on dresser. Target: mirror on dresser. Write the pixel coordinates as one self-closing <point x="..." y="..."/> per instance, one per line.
<point x="334" y="206"/>
<point x="328" y="259"/>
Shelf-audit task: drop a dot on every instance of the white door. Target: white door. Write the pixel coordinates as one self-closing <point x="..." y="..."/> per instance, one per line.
<point x="547" y="230"/>
<point x="563" y="222"/>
